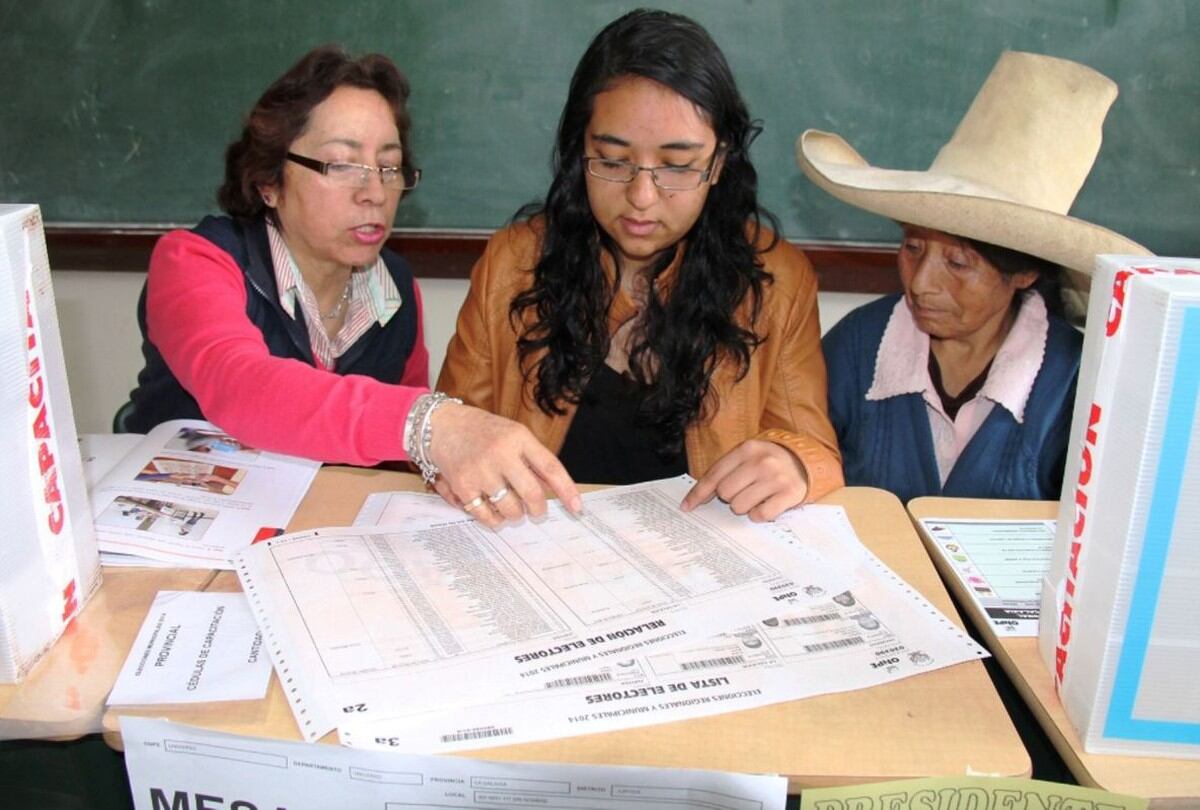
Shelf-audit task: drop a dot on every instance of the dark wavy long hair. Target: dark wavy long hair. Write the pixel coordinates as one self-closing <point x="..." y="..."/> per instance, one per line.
<point x="686" y="334"/>
<point x="281" y="115"/>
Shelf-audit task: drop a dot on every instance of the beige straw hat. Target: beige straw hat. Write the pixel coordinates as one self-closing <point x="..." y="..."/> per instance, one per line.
<point x="1008" y="175"/>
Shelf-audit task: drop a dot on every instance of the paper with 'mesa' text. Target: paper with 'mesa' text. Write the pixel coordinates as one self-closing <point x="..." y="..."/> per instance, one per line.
<point x="171" y="765"/>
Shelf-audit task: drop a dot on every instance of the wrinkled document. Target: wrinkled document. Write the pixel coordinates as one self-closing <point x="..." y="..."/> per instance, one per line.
<point x="372" y="622"/>
<point x="175" y="766"/>
<point x="842" y="620"/>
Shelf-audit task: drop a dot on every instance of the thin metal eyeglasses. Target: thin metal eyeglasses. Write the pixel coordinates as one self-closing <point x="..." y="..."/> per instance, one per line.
<point x="668" y="178"/>
<point x="356" y="175"/>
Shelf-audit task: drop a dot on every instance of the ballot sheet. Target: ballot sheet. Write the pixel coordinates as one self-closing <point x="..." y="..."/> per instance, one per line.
<point x="1000" y="564"/>
<point x="370" y="622"/>
<point x="172" y="765"/>
<point x="841" y="621"/>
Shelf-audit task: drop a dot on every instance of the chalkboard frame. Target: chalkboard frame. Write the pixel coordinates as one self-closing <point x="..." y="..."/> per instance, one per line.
<point x="447" y="255"/>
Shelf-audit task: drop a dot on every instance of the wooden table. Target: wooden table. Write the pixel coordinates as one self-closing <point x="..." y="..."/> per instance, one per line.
<point x="63" y="696"/>
<point x="1166" y="782"/>
<point x="943" y="723"/>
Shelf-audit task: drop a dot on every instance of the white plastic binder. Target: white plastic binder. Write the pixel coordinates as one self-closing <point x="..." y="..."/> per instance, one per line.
<point x="1119" y="629"/>
<point x="49" y="564"/>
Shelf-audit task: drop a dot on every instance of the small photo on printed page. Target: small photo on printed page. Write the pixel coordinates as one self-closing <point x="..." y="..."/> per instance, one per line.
<point x="190" y="494"/>
<point x="217" y="479"/>
<point x="204" y="440"/>
<point x="157" y="517"/>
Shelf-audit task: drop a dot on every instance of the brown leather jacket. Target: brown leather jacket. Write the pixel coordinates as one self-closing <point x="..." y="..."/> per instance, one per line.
<point x="781" y="399"/>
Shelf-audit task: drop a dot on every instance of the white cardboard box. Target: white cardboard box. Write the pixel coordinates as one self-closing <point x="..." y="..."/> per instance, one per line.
<point x="49" y="563"/>
<point x="1120" y="610"/>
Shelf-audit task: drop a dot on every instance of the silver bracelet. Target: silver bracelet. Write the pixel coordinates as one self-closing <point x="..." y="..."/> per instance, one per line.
<point x="412" y="426"/>
<point x="418" y="432"/>
<point x="415" y="411"/>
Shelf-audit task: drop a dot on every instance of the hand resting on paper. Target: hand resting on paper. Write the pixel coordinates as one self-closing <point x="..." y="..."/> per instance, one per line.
<point x="757" y="478"/>
<point x="494" y="468"/>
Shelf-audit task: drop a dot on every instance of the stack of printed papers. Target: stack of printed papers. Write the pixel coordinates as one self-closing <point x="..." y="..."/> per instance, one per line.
<point x="189" y="495"/>
<point x="632" y="614"/>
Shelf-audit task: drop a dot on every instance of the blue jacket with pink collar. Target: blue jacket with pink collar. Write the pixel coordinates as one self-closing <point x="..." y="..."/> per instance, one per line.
<point x="887" y="443"/>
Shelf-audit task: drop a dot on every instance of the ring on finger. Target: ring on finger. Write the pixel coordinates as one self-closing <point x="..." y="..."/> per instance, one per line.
<point x="474" y="503"/>
<point x="498" y="495"/>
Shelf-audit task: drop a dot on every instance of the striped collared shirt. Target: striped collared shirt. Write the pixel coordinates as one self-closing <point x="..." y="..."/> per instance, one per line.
<point x="373" y="298"/>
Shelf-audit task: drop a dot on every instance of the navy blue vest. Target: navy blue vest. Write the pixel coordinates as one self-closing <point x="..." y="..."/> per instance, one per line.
<point x="888" y="443"/>
<point x="381" y="352"/>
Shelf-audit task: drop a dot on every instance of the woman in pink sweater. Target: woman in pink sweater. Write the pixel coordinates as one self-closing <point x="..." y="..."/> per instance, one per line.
<point x="288" y="323"/>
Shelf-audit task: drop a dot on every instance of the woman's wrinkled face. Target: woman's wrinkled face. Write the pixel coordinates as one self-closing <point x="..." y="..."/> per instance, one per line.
<point x="329" y="227"/>
<point x="644" y="123"/>
<point x="952" y="291"/>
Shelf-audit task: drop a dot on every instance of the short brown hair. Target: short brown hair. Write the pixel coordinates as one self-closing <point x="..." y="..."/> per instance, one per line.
<point x="280" y="116"/>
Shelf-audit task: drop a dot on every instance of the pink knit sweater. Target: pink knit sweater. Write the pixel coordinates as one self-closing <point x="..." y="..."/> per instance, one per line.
<point x="196" y="305"/>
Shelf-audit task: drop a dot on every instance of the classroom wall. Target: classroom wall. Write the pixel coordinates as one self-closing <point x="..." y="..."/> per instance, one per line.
<point x="97" y="318"/>
<point x="130" y="131"/>
<point x="117" y="113"/>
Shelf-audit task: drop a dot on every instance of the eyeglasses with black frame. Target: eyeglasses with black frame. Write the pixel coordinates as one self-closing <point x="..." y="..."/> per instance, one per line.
<point x="356" y="175"/>
<point x="668" y="178"/>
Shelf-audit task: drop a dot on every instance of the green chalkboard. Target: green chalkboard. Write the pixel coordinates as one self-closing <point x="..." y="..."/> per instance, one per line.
<point x="118" y="111"/>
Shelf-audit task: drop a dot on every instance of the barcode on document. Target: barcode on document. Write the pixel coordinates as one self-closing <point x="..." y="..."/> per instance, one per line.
<point x="792" y="621"/>
<point x="709" y="663"/>
<point x="579" y="680"/>
<point x="478" y="734"/>
<point x="838" y="644"/>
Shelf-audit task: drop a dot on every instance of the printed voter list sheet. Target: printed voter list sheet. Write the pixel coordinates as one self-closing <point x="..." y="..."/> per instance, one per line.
<point x="844" y="621"/>
<point x="1000" y="563"/>
<point x="176" y="766"/>
<point x="194" y="648"/>
<point x="401" y="508"/>
<point x="372" y="621"/>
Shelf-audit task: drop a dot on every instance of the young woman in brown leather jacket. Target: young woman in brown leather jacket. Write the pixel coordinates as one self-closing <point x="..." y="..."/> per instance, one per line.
<point x="643" y="321"/>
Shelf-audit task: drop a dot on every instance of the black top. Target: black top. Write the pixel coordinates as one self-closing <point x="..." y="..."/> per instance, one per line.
<point x="952" y="404"/>
<point x="606" y="443"/>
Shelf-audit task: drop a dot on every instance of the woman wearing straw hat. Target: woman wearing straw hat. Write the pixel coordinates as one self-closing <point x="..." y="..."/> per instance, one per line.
<point x="964" y="385"/>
